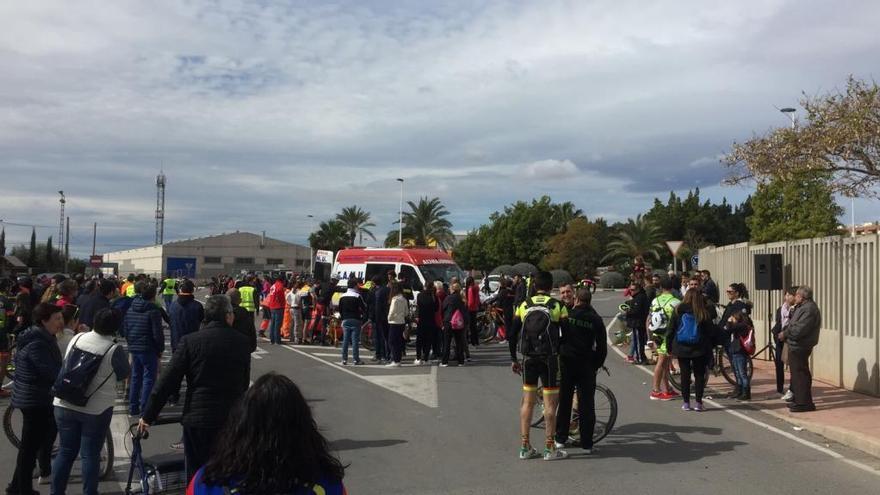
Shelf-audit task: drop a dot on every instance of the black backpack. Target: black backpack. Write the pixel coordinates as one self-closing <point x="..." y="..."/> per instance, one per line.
<point x="77" y="374"/>
<point x="540" y="334"/>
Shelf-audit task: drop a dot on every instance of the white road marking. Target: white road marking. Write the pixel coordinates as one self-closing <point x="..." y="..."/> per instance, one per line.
<point x="259" y="352"/>
<point x="421" y="388"/>
<point x="790" y="436"/>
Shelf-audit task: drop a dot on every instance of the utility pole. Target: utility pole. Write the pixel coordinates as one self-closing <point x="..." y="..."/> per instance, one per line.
<point x="67" y="245"/>
<point x="62" y="201"/>
<point x="400" y="217"/>
<point x="94" y="236"/>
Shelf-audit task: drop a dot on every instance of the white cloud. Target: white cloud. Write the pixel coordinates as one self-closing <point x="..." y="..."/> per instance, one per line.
<point x="550" y="169"/>
<point x="315" y="106"/>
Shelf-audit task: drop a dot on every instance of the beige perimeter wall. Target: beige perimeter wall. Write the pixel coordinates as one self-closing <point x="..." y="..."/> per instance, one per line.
<point x="844" y="273"/>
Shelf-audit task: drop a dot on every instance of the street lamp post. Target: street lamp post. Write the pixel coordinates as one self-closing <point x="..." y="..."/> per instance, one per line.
<point x="400" y="216"/>
<point x="789" y="112"/>
<point x="311" y="249"/>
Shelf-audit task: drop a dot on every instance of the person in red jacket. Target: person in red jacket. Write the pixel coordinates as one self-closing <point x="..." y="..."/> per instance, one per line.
<point x="275" y="302"/>
<point x="473" y="305"/>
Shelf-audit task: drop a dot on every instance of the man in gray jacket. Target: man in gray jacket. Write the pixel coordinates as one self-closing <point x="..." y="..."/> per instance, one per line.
<point x="801" y="335"/>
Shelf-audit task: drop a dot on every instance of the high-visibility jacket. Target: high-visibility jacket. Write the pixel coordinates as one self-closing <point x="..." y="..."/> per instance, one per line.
<point x="168" y="286"/>
<point x="247" y="298"/>
<point x="129" y="292"/>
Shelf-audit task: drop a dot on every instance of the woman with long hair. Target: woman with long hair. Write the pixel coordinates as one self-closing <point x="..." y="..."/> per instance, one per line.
<point x="738" y="297"/>
<point x="270" y="444"/>
<point x="692" y="315"/>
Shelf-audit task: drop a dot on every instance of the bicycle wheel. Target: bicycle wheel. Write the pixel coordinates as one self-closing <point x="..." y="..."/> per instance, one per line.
<point x="674" y="376"/>
<point x="12" y="422"/>
<point x="727" y="369"/>
<point x="606" y="412"/>
<point x="538" y="422"/>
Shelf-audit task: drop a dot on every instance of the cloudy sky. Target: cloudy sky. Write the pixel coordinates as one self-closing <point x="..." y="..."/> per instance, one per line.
<point x="261" y="113"/>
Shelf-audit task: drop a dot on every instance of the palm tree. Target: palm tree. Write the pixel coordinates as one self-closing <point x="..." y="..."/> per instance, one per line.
<point x="639" y="237"/>
<point x="331" y="235"/>
<point x="424" y="224"/>
<point x="566" y="212"/>
<point x="355" y="221"/>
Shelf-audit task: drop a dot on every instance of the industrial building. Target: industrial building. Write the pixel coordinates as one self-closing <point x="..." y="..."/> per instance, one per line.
<point x="205" y="257"/>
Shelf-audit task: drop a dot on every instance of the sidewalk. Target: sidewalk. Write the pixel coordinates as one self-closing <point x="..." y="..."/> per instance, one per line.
<point x="842" y="416"/>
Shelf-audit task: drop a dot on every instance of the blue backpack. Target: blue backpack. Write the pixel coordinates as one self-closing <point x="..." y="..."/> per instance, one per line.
<point x="687" y="330"/>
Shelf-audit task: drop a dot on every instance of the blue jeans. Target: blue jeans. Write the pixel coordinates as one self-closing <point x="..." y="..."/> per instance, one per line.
<point x="83" y="434"/>
<point x="351" y="335"/>
<point x="739" y="361"/>
<point x="275" y="325"/>
<point x="144" y="366"/>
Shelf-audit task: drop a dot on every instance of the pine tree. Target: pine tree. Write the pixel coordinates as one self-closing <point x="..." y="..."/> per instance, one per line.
<point x="798" y="208"/>
<point x="50" y="255"/>
<point x="32" y="252"/>
<point x="3" y="242"/>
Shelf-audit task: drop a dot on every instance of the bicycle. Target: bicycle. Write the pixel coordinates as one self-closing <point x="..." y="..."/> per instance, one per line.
<point x="605" y="407"/>
<point x="490" y="324"/>
<point x="588" y="284"/>
<point x="12" y="421"/>
<point x="720" y="366"/>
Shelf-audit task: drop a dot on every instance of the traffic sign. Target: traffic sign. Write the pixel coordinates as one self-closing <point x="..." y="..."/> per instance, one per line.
<point x="674" y="246"/>
<point x="322" y="256"/>
<point x="695" y="260"/>
<point x="96" y="260"/>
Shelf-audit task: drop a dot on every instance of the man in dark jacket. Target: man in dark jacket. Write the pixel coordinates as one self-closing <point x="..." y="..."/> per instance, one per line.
<point x="37" y="363"/>
<point x="215" y="362"/>
<point x="582" y="352"/>
<point x="636" y="318"/>
<point x="380" y="323"/>
<point x="90" y="303"/>
<point x="801" y="335"/>
<point x="426" y="303"/>
<point x="146" y="342"/>
<point x="186" y="314"/>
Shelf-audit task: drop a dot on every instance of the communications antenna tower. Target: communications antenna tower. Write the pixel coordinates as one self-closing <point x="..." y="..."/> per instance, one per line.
<point x="61" y="222"/>
<point x="160" y="208"/>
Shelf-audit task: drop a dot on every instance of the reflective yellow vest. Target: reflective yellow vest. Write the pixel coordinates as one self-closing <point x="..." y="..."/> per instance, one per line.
<point x="129" y="292"/>
<point x="247" y="298"/>
<point x="168" y="286"/>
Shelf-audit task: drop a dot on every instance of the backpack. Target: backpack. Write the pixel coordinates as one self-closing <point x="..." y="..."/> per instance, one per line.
<point x="748" y="342"/>
<point x="659" y="318"/>
<point x="457" y="320"/>
<point x="540" y="335"/>
<point x="687" y="332"/>
<point x="77" y="374"/>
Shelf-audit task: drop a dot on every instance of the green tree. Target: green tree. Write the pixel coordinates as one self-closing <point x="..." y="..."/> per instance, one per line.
<point x="425" y="224"/>
<point x="637" y="237"/>
<point x="566" y="212"/>
<point x="50" y="255"/>
<point x="331" y="235"/>
<point x="576" y="249"/>
<point x="3" y="242"/>
<point x="471" y="252"/>
<point x="32" y="252"/>
<point x="356" y="222"/>
<point x="797" y="208"/>
<point x="839" y="141"/>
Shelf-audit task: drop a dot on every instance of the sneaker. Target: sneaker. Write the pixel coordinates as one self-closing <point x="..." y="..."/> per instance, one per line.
<point x="788" y="396"/>
<point x="444" y="365"/>
<point x="358" y="363"/>
<point x="686" y="406"/>
<point x="699" y="407"/>
<point x="526" y="453"/>
<point x="673" y="393"/>
<point x="656" y="395"/>
<point x="555" y="454"/>
<point x="468" y="359"/>
<point x="343" y="363"/>
<point x="558" y="445"/>
<point x="176" y="446"/>
<point x="629" y="359"/>
<point x="590" y="450"/>
<point x="667" y="396"/>
<point x="417" y="362"/>
<point x="462" y="364"/>
<point x="392" y="364"/>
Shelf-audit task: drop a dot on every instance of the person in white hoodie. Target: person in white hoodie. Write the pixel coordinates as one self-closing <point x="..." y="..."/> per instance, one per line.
<point x="397" y="313"/>
<point x="82" y="429"/>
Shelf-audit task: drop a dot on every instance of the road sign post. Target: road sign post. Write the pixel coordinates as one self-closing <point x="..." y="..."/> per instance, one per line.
<point x="674" y="247"/>
<point x="96" y="260"/>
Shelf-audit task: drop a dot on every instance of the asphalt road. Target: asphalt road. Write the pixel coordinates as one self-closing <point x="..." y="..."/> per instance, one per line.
<point x="438" y="430"/>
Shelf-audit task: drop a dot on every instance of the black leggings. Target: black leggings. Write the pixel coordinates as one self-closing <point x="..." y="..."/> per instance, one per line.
<point x="37" y="436"/>
<point x="460" y="345"/>
<point x="472" y="329"/>
<point x="696" y="365"/>
<point x="425" y="340"/>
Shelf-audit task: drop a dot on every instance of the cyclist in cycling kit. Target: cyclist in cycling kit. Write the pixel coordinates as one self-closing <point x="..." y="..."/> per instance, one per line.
<point x="539" y="363"/>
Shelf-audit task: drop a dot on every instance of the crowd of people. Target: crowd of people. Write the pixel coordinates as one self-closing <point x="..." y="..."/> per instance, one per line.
<point x="677" y="317"/>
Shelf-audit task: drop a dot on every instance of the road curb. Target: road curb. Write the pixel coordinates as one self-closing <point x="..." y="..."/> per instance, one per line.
<point x="842" y="436"/>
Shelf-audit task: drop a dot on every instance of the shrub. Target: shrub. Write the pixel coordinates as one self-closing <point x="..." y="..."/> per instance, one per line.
<point x="561" y="277"/>
<point x="612" y="280"/>
<point x="525" y="269"/>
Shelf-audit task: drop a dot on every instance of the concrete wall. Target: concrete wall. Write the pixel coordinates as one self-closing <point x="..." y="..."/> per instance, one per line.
<point x="844" y="273"/>
<point x="141" y="260"/>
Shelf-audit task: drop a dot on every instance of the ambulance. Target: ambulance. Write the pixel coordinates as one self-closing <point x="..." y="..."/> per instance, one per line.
<point x="418" y="265"/>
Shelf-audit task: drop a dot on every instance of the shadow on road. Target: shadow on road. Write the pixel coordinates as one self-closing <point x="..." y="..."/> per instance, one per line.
<point x="348" y="444"/>
<point x="655" y="443"/>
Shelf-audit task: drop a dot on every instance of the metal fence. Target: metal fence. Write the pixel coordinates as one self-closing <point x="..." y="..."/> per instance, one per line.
<point x="844" y="273"/>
